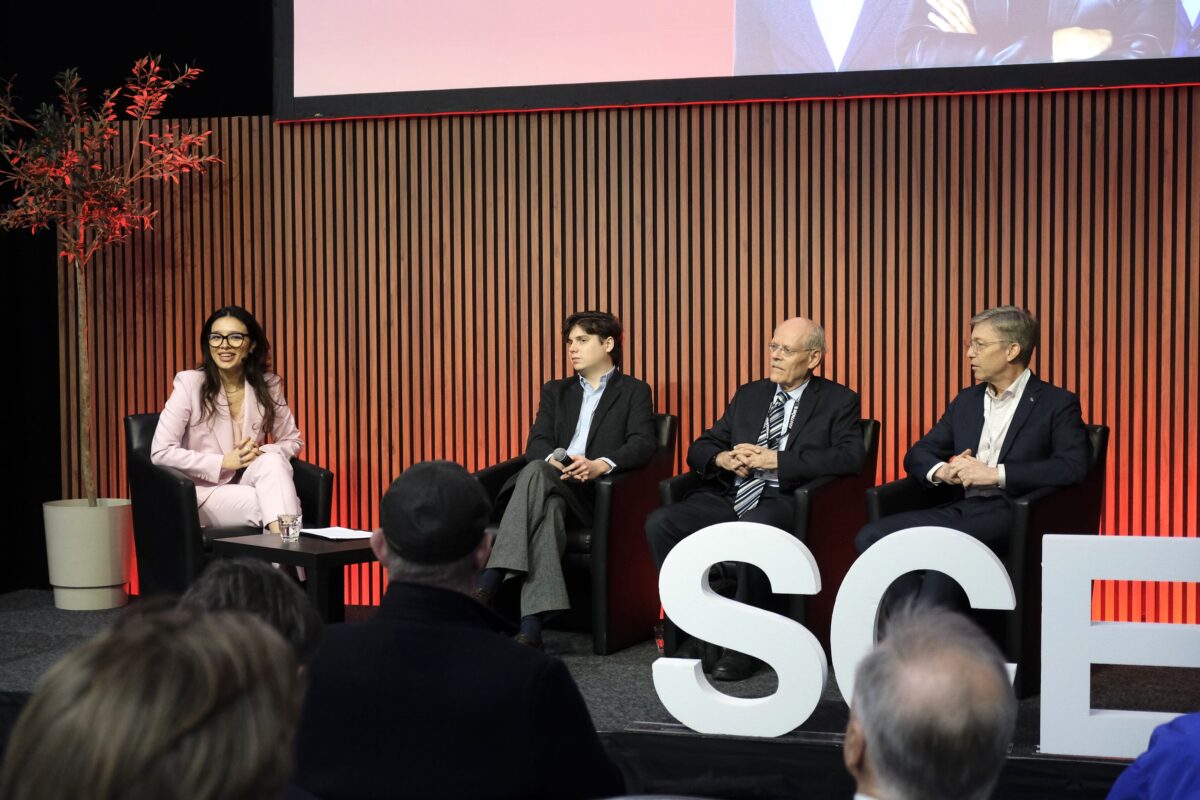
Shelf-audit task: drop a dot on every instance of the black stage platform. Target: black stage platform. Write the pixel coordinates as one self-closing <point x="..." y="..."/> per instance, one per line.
<point x="658" y="754"/>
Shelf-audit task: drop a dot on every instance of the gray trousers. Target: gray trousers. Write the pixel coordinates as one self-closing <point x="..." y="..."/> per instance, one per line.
<point x="533" y="536"/>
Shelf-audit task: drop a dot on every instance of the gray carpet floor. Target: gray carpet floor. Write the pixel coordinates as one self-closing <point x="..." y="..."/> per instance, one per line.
<point x="34" y="634"/>
<point x="618" y="688"/>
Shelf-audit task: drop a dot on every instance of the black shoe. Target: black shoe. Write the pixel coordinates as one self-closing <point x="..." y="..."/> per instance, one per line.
<point x="705" y="652"/>
<point x="735" y="666"/>
<point x="529" y="641"/>
<point x="691" y="648"/>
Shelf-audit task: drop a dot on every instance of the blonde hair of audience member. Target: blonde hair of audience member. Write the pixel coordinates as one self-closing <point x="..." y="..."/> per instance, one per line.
<point x="174" y="704"/>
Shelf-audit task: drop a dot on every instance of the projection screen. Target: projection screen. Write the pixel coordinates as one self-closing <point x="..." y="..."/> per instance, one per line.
<point x="381" y="57"/>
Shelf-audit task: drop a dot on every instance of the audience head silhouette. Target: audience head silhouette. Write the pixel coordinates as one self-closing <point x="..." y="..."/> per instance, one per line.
<point x="162" y="705"/>
<point x="933" y="711"/>
<point x="433" y="517"/>
<point x="254" y="586"/>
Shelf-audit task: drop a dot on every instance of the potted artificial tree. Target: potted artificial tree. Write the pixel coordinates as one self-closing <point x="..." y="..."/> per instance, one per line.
<point x="67" y="168"/>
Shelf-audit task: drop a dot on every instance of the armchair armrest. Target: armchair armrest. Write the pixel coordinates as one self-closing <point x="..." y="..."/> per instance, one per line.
<point x="1050" y="509"/>
<point x="624" y="578"/>
<point x="906" y="494"/>
<point x="672" y="490"/>
<point x="806" y="497"/>
<point x="314" y="486"/>
<point x="494" y="477"/>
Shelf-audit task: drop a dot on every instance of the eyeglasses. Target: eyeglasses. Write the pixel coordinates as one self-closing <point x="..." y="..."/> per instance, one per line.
<point x="785" y="351"/>
<point x="978" y="345"/>
<point x="234" y="340"/>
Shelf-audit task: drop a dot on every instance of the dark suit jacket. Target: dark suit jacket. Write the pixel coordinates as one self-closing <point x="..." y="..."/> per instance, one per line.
<point x="1046" y="445"/>
<point x="429" y="699"/>
<point x="782" y="36"/>
<point x="825" y="438"/>
<point x="1010" y="32"/>
<point x="622" y="426"/>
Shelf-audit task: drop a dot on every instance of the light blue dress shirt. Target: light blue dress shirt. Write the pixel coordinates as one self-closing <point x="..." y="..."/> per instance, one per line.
<point x="587" y="409"/>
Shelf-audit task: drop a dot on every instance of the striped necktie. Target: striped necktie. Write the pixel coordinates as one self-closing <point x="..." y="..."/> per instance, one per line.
<point x="749" y="493"/>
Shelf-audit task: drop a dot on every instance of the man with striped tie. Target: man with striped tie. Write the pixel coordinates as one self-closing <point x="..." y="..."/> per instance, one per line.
<point x="776" y="434"/>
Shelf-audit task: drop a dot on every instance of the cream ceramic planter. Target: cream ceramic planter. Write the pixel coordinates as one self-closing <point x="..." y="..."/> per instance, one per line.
<point x="88" y="550"/>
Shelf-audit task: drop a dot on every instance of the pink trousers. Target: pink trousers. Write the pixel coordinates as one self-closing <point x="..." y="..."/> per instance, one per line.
<point x="265" y="491"/>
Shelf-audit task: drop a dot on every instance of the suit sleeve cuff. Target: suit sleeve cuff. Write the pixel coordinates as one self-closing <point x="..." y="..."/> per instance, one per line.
<point x="1000" y="469"/>
<point x="612" y="467"/>
<point x="929" y="475"/>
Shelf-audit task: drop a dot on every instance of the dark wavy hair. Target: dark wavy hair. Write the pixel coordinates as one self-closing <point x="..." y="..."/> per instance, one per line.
<point x="254" y="586"/>
<point x="598" y="323"/>
<point x="257" y="364"/>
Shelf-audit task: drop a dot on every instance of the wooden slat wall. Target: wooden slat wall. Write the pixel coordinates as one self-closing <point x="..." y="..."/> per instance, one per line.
<point x="412" y="274"/>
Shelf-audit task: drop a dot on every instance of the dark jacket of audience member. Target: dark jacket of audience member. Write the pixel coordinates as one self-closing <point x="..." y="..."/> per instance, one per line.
<point x="430" y="697"/>
<point x="178" y="704"/>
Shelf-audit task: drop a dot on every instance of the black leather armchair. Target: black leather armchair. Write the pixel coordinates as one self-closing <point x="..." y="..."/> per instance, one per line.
<point x="1069" y="509"/>
<point x="172" y="548"/>
<point x="829" y="512"/>
<point x="610" y="577"/>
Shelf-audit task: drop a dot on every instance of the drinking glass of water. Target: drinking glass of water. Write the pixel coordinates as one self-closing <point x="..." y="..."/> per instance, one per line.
<point x="289" y="527"/>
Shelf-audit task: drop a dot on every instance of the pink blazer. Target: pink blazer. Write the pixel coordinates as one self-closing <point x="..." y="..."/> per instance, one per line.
<point x="195" y="447"/>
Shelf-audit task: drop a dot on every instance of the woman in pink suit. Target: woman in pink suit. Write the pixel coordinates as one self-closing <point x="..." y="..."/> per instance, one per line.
<point x="214" y="426"/>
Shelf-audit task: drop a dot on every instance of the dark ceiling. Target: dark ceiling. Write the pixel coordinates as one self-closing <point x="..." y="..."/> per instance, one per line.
<point x="230" y="41"/>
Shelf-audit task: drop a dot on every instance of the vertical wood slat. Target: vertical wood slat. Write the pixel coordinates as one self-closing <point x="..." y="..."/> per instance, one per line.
<point x="412" y="275"/>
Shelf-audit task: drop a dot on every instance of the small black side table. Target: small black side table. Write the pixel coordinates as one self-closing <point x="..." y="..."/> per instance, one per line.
<point x="322" y="560"/>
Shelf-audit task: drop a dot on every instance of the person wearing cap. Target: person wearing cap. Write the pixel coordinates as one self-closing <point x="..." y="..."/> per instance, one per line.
<point x="431" y="697"/>
<point x="596" y="422"/>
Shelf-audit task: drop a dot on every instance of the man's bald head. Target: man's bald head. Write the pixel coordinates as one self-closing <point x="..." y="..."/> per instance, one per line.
<point x="796" y="349"/>
<point x="935" y="707"/>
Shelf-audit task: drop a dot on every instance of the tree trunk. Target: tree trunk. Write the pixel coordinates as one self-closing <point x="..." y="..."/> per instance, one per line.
<point x="87" y="462"/>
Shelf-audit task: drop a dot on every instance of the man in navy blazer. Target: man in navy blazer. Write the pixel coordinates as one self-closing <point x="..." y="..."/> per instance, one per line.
<point x="776" y="434"/>
<point x="1004" y="437"/>
<point x="430" y="697"/>
<point x="604" y="421"/>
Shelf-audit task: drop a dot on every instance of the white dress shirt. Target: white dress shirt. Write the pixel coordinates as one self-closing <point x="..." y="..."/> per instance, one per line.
<point x="837" y="20"/>
<point x="1192" y="9"/>
<point x="998" y="410"/>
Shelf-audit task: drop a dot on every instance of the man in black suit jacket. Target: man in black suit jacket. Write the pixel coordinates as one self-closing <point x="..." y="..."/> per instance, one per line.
<point x="430" y="697"/>
<point x="776" y="434"/>
<point x="604" y="420"/>
<point x="998" y="440"/>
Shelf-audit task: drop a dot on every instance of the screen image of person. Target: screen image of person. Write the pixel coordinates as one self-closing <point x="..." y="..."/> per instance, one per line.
<point x="1187" y="29"/>
<point x="214" y="427"/>
<point x="773" y="36"/>
<point x="960" y="33"/>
